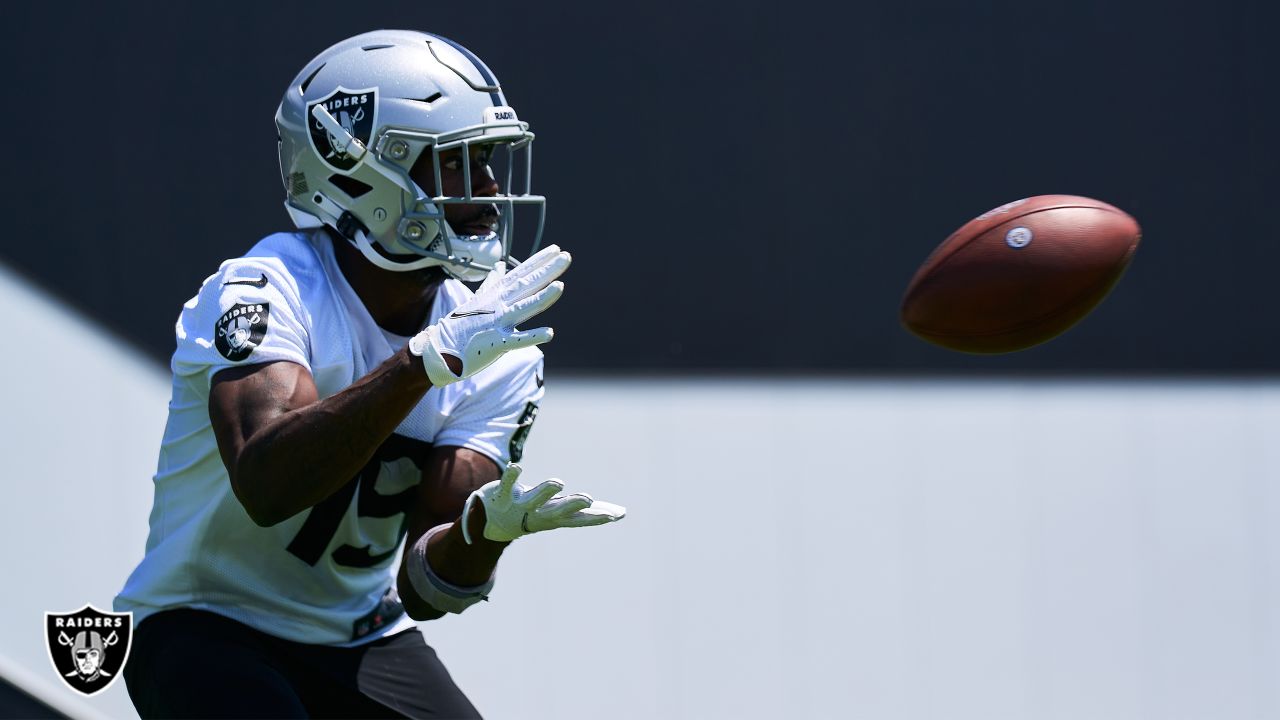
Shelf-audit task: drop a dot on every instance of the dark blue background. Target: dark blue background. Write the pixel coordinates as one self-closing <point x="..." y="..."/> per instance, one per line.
<point x="744" y="185"/>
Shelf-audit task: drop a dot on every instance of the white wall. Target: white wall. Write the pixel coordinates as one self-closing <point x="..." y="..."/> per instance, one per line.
<point x="794" y="548"/>
<point x="80" y="423"/>
<point x="899" y="550"/>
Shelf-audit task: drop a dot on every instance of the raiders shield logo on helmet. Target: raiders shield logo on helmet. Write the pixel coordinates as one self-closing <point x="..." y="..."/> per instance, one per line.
<point x="356" y="111"/>
<point x="88" y="647"/>
<point x="241" y="329"/>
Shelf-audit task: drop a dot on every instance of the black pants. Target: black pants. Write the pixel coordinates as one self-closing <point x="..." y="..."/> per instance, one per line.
<point x="195" y="664"/>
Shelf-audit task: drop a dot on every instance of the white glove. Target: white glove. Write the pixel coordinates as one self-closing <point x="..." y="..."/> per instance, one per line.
<point x="512" y="510"/>
<point x="481" y="329"/>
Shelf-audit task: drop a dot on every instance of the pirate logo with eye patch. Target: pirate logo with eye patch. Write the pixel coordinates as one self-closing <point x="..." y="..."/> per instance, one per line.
<point x="241" y="329"/>
<point x="355" y="111"/>
<point x="88" y="647"/>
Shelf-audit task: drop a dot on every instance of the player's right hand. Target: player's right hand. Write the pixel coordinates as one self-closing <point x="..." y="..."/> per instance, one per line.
<point x="512" y="510"/>
<point x="480" y="330"/>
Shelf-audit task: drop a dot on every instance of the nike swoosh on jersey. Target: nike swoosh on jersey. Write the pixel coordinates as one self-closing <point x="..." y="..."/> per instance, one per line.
<point x="456" y="314"/>
<point x="259" y="283"/>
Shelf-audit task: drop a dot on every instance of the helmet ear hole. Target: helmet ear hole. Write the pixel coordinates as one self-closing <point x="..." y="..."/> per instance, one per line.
<point x="349" y="185"/>
<point x="307" y="83"/>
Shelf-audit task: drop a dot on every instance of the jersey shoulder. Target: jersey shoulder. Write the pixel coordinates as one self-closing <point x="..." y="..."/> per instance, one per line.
<point x="255" y="308"/>
<point x="282" y="266"/>
<point x="289" y="259"/>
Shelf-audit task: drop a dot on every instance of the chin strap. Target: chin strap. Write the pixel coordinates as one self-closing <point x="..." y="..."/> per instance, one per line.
<point x="360" y="240"/>
<point x="354" y="231"/>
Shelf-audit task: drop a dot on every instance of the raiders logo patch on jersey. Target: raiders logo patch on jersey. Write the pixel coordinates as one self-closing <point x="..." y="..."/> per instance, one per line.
<point x="355" y="111"/>
<point x="241" y="329"/>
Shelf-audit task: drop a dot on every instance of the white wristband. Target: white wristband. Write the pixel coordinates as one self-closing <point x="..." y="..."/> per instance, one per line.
<point x="439" y="594"/>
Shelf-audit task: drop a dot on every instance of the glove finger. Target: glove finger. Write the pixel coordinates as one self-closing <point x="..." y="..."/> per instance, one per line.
<point x="508" y="479"/>
<point x="528" y="338"/>
<point x="606" y="509"/>
<point x="592" y="516"/>
<point x="524" y="309"/>
<point x="518" y="288"/>
<point x="494" y="278"/>
<point x="534" y="261"/>
<point x="539" y="495"/>
<point x="565" y="505"/>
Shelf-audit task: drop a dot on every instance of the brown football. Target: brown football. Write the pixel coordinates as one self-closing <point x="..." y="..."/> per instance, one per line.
<point x="1020" y="274"/>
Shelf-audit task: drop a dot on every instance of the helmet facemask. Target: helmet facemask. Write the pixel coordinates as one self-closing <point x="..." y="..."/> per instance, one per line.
<point x="423" y="237"/>
<point x="424" y="228"/>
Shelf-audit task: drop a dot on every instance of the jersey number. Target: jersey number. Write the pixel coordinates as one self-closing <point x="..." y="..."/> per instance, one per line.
<point x="322" y="524"/>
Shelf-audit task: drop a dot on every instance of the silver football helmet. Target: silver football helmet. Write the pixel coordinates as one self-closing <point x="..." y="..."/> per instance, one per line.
<point x="360" y="115"/>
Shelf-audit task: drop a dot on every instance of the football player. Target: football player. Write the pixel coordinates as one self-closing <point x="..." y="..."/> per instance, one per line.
<point x="339" y="394"/>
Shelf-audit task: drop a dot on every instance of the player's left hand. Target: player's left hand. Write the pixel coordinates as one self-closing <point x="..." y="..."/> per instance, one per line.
<point x="481" y="329"/>
<point x="513" y="510"/>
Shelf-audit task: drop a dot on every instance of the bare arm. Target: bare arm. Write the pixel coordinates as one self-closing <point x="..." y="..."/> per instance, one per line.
<point x="285" y="449"/>
<point x="449" y="477"/>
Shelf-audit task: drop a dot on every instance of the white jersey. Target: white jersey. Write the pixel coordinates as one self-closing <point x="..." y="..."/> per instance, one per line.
<point x="322" y="576"/>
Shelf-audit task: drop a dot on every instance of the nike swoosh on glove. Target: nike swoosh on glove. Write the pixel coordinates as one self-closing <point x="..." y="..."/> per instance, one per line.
<point x="513" y="510"/>
<point x="481" y="329"/>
